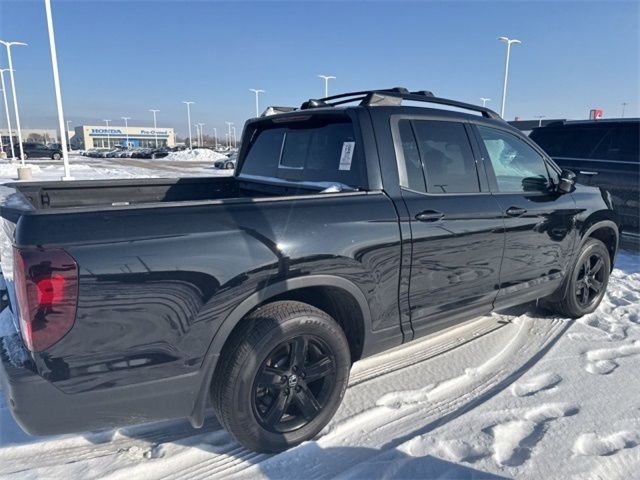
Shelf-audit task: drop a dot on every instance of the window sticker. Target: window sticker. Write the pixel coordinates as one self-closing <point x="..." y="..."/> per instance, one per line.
<point x="346" y="156"/>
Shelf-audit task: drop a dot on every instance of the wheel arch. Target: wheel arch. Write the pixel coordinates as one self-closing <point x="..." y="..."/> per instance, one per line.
<point x="337" y="296"/>
<point x="607" y="232"/>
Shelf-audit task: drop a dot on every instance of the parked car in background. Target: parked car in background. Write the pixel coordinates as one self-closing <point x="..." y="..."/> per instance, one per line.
<point x="228" y="163"/>
<point x="354" y="229"/>
<point x="40" y="150"/>
<point x="605" y="153"/>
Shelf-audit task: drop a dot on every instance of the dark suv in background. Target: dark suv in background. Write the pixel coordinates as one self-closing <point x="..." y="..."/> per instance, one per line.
<point x="40" y="150"/>
<point x="605" y="153"/>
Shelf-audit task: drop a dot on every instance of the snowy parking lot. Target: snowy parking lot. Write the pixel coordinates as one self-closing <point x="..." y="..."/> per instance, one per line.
<point x="518" y="394"/>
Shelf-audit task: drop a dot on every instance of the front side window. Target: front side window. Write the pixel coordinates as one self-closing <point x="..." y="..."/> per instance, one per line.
<point x="517" y="166"/>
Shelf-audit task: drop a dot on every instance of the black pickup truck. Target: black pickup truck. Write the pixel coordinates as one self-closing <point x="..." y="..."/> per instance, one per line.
<point x="352" y="224"/>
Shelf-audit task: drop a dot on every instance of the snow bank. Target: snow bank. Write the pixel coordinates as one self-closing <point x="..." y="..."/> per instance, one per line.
<point x="197" y="155"/>
<point x="10" y="170"/>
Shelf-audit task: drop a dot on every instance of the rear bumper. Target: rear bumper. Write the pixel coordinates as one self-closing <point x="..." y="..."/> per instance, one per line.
<point x="41" y="409"/>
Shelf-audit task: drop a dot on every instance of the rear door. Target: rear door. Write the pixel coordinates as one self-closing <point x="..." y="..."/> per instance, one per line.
<point x="456" y="224"/>
<point x="539" y="223"/>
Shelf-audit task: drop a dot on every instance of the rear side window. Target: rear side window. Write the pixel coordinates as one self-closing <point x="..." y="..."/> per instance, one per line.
<point x="310" y="151"/>
<point x="573" y="141"/>
<point x="622" y="144"/>
<point x="443" y="152"/>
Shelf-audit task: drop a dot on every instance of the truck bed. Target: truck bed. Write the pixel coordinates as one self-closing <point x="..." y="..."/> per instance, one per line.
<point x="130" y="192"/>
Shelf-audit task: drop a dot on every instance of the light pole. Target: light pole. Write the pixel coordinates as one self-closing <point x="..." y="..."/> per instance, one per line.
<point x="257" y="92"/>
<point x="540" y="117"/>
<point x="235" y="139"/>
<point x="484" y="101"/>
<point x="624" y="106"/>
<point x="6" y="110"/>
<point x="215" y="137"/>
<point x="509" y="42"/>
<point x="56" y="85"/>
<point x="126" y="129"/>
<point x="8" y="45"/>
<point x="188" y="104"/>
<point x="69" y="135"/>
<point x="326" y="83"/>
<point x="108" y="134"/>
<point x="155" y="125"/>
<point x="229" y="137"/>
<point x="201" y="133"/>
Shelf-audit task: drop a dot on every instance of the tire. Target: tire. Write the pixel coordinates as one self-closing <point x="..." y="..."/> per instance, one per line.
<point x="55" y="156"/>
<point x="229" y="166"/>
<point x="593" y="262"/>
<point x="257" y="376"/>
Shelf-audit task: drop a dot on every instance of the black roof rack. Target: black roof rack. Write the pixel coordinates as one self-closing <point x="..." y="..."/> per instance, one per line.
<point x="393" y="96"/>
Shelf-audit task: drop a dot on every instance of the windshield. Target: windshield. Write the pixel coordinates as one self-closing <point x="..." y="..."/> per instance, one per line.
<point x="310" y="151"/>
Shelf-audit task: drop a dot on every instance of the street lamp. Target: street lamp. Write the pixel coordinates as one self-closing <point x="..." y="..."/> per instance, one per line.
<point x="326" y="83"/>
<point x="188" y="104"/>
<point x="126" y="129"/>
<point x="201" y="133"/>
<point x="257" y="92"/>
<point x="229" y="134"/>
<point x="6" y="110"/>
<point x="155" y="125"/>
<point x="69" y="135"/>
<point x="215" y="137"/>
<point x="509" y="42"/>
<point x="56" y="85"/>
<point x="484" y="101"/>
<point x="235" y="139"/>
<point x="624" y="106"/>
<point x="8" y="45"/>
<point x="540" y="117"/>
<point x="108" y="134"/>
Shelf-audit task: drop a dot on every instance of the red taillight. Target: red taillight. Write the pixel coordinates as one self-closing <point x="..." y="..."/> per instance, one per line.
<point x="46" y="283"/>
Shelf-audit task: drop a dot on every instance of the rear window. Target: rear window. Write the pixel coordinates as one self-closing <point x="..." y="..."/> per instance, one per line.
<point x="314" y="150"/>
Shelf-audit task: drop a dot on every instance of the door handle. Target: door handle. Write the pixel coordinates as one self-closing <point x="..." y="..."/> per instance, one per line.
<point x="429" y="216"/>
<point x="516" y="211"/>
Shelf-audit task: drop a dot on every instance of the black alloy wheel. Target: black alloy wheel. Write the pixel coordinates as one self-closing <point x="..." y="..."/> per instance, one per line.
<point x="586" y="283"/>
<point x="293" y="383"/>
<point x="591" y="278"/>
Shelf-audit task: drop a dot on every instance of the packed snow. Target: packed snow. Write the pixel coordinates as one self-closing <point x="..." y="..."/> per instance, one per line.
<point x="516" y="394"/>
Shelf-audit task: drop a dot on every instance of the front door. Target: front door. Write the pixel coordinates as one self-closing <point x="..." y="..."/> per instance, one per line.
<point x="539" y="222"/>
<point x="456" y="225"/>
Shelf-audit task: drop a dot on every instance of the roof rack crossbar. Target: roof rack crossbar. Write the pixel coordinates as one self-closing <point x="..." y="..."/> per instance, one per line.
<point x="428" y="97"/>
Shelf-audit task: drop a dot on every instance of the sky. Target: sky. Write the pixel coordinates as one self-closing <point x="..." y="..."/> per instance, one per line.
<point x="121" y="58"/>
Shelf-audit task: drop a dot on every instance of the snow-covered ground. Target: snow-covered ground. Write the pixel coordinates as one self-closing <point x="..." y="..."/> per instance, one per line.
<point x="185" y="163"/>
<point x="520" y="394"/>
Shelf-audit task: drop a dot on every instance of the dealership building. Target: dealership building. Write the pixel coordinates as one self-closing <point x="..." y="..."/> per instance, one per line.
<point x="92" y="136"/>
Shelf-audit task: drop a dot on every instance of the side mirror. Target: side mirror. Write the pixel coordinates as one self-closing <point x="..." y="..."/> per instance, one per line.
<point x="567" y="181"/>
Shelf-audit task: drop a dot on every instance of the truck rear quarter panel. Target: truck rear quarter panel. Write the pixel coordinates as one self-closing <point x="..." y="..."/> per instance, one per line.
<point x="157" y="283"/>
